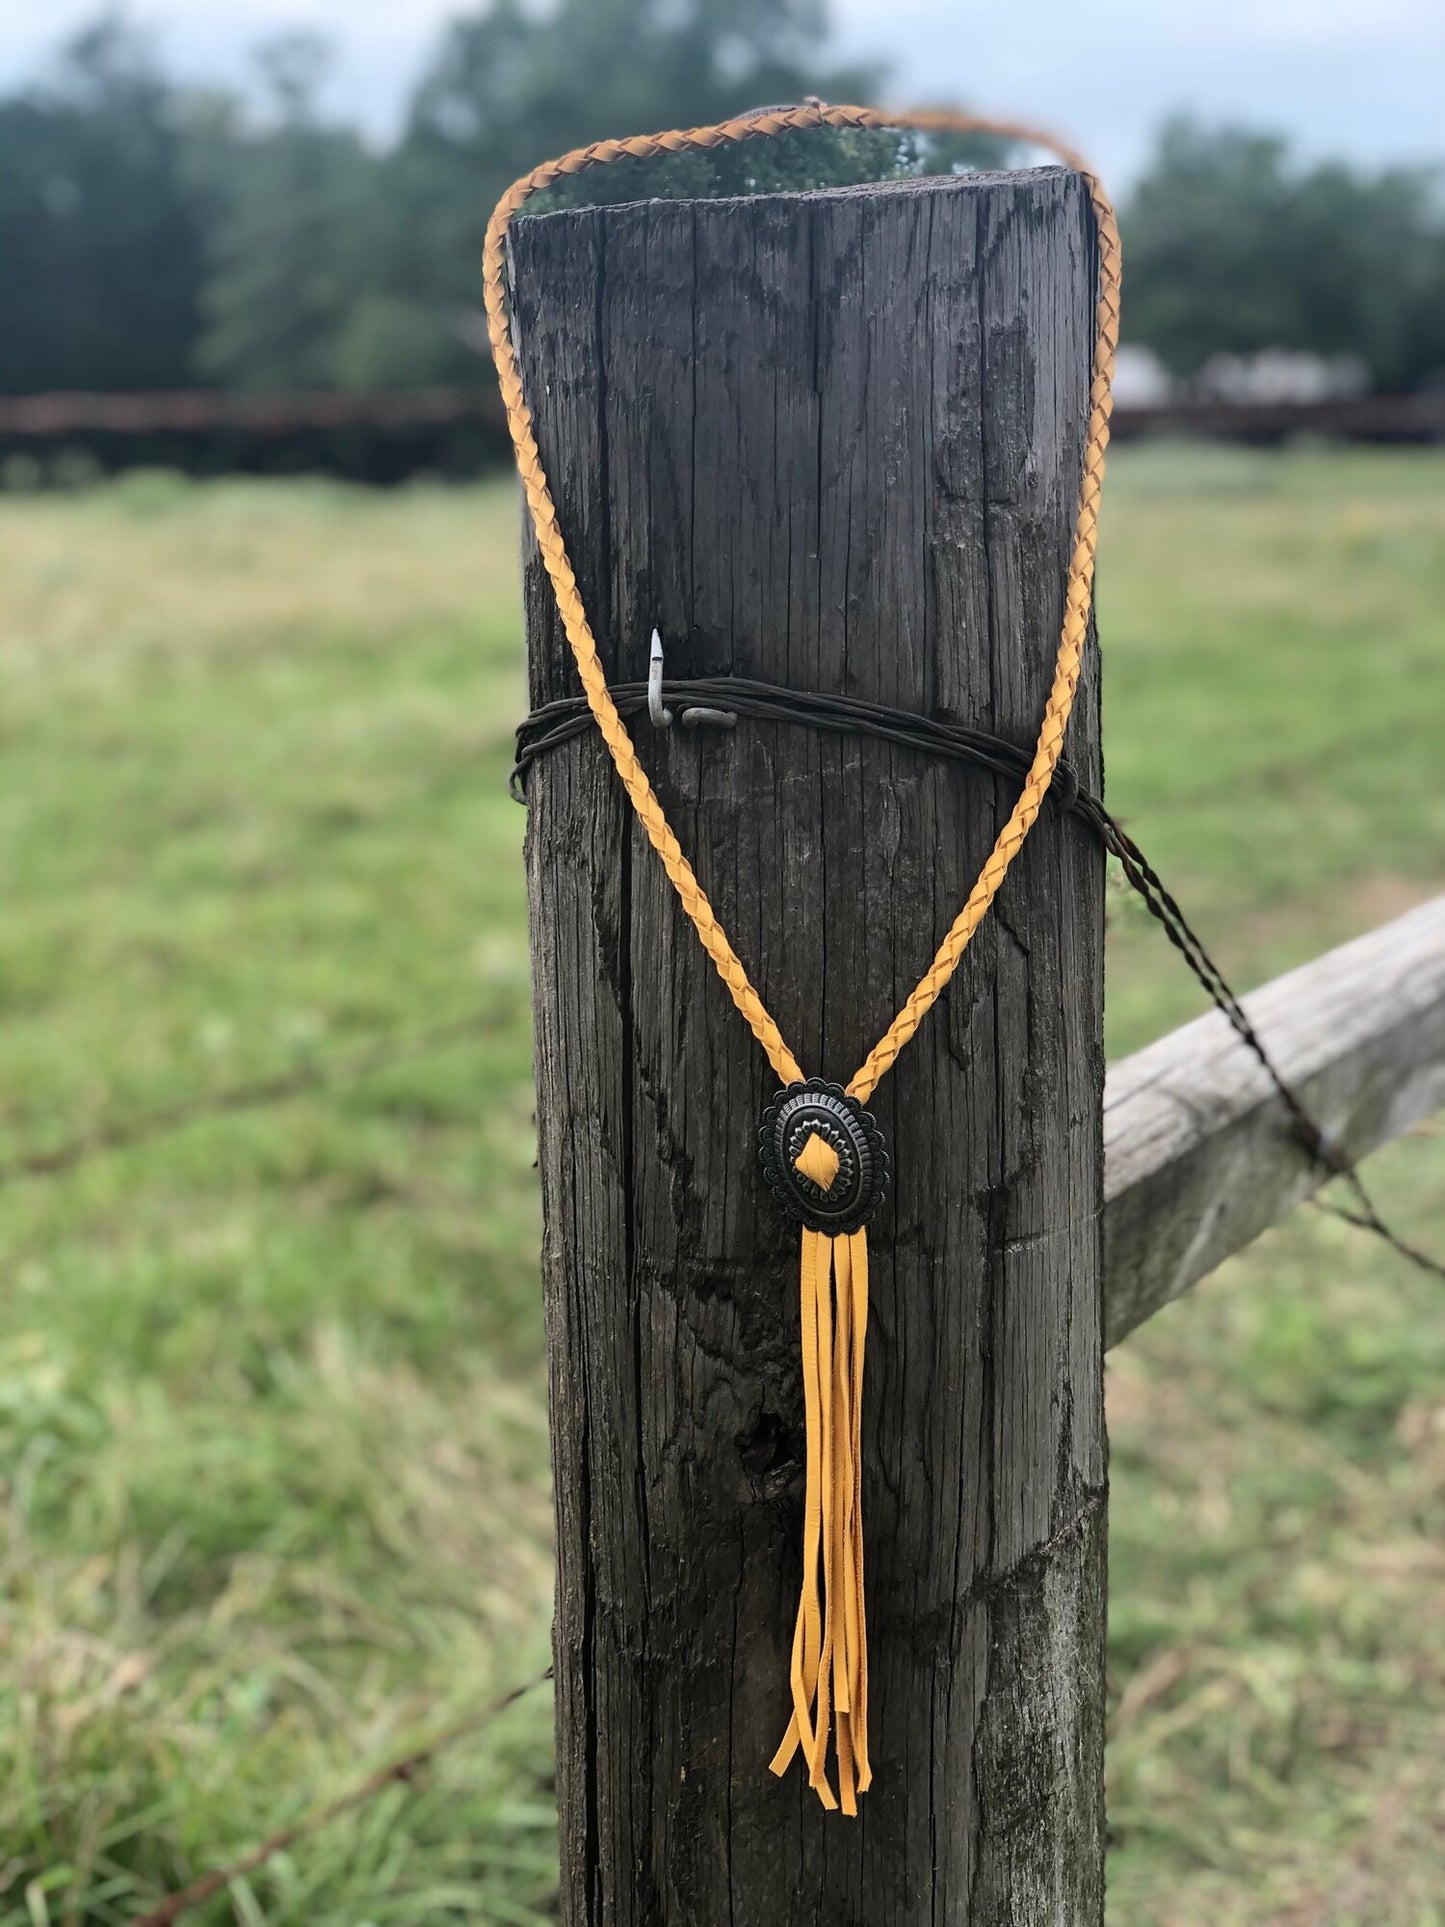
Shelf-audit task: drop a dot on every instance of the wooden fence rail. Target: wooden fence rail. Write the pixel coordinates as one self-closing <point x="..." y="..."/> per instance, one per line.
<point x="1198" y="1153"/>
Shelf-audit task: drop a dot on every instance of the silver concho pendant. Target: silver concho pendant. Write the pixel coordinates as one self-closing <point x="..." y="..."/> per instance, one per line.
<point x="823" y="1157"/>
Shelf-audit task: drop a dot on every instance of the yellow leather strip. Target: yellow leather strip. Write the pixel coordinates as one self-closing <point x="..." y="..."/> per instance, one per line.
<point x="843" y="1596"/>
<point x="807" y="1632"/>
<point x="822" y="1711"/>
<point x="830" y="1679"/>
<point x="858" y="1616"/>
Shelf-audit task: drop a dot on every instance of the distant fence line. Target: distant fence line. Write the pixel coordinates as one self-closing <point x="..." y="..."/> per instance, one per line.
<point x="383" y="437"/>
<point x="198" y="410"/>
<point x="391" y="434"/>
<point x="1354" y="418"/>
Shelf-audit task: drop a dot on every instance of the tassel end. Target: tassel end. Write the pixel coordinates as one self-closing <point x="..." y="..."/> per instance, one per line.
<point x="830" y="1655"/>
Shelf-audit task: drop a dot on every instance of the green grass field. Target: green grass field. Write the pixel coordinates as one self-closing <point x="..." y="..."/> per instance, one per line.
<point x="272" y="1430"/>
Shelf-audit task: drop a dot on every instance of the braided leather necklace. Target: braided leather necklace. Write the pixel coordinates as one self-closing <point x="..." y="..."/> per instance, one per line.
<point x="822" y="1152"/>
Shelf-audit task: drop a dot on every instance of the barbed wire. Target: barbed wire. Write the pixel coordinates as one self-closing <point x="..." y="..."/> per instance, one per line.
<point x="397" y="1772"/>
<point x="1328" y="1157"/>
<point x="344" y="1068"/>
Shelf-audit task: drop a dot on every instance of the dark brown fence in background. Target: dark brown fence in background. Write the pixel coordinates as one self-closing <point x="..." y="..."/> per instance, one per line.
<point x="1358" y="418"/>
<point x="382" y="438"/>
<point x="457" y="432"/>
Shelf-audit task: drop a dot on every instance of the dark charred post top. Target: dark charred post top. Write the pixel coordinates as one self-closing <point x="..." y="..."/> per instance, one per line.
<point x="832" y="441"/>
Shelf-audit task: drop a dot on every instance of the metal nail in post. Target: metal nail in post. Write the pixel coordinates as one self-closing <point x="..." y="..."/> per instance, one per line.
<point x="661" y="718"/>
<point x="709" y="718"/>
<point x="694" y="718"/>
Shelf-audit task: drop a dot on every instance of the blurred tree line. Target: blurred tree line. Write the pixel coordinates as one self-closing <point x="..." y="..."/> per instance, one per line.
<point x="157" y="236"/>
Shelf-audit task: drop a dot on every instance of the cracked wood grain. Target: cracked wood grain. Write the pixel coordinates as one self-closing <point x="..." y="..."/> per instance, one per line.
<point x="831" y="441"/>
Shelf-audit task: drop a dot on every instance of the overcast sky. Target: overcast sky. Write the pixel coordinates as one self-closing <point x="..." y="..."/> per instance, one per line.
<point x="1365" y="78"/>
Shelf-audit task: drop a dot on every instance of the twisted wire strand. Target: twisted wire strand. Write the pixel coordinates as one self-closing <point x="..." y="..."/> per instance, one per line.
<point x="568" y="717"/>
<point x="1078" y="597"/>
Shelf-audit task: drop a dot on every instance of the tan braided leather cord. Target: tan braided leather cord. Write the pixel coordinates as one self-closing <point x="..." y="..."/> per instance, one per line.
<point x="1078" y="595"/>
<point x="829" y="1671"/>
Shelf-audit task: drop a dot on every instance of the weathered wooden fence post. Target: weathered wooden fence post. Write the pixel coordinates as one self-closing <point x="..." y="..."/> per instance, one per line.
<point x="832" y="441"/>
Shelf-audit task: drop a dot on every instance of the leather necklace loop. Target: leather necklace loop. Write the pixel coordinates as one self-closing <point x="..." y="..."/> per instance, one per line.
<point x="1078" y="597"/>
<point x="822" y="1154"/>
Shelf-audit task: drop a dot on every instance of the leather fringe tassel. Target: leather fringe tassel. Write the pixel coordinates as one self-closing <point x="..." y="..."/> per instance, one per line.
<point x="830" y="1640"/>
